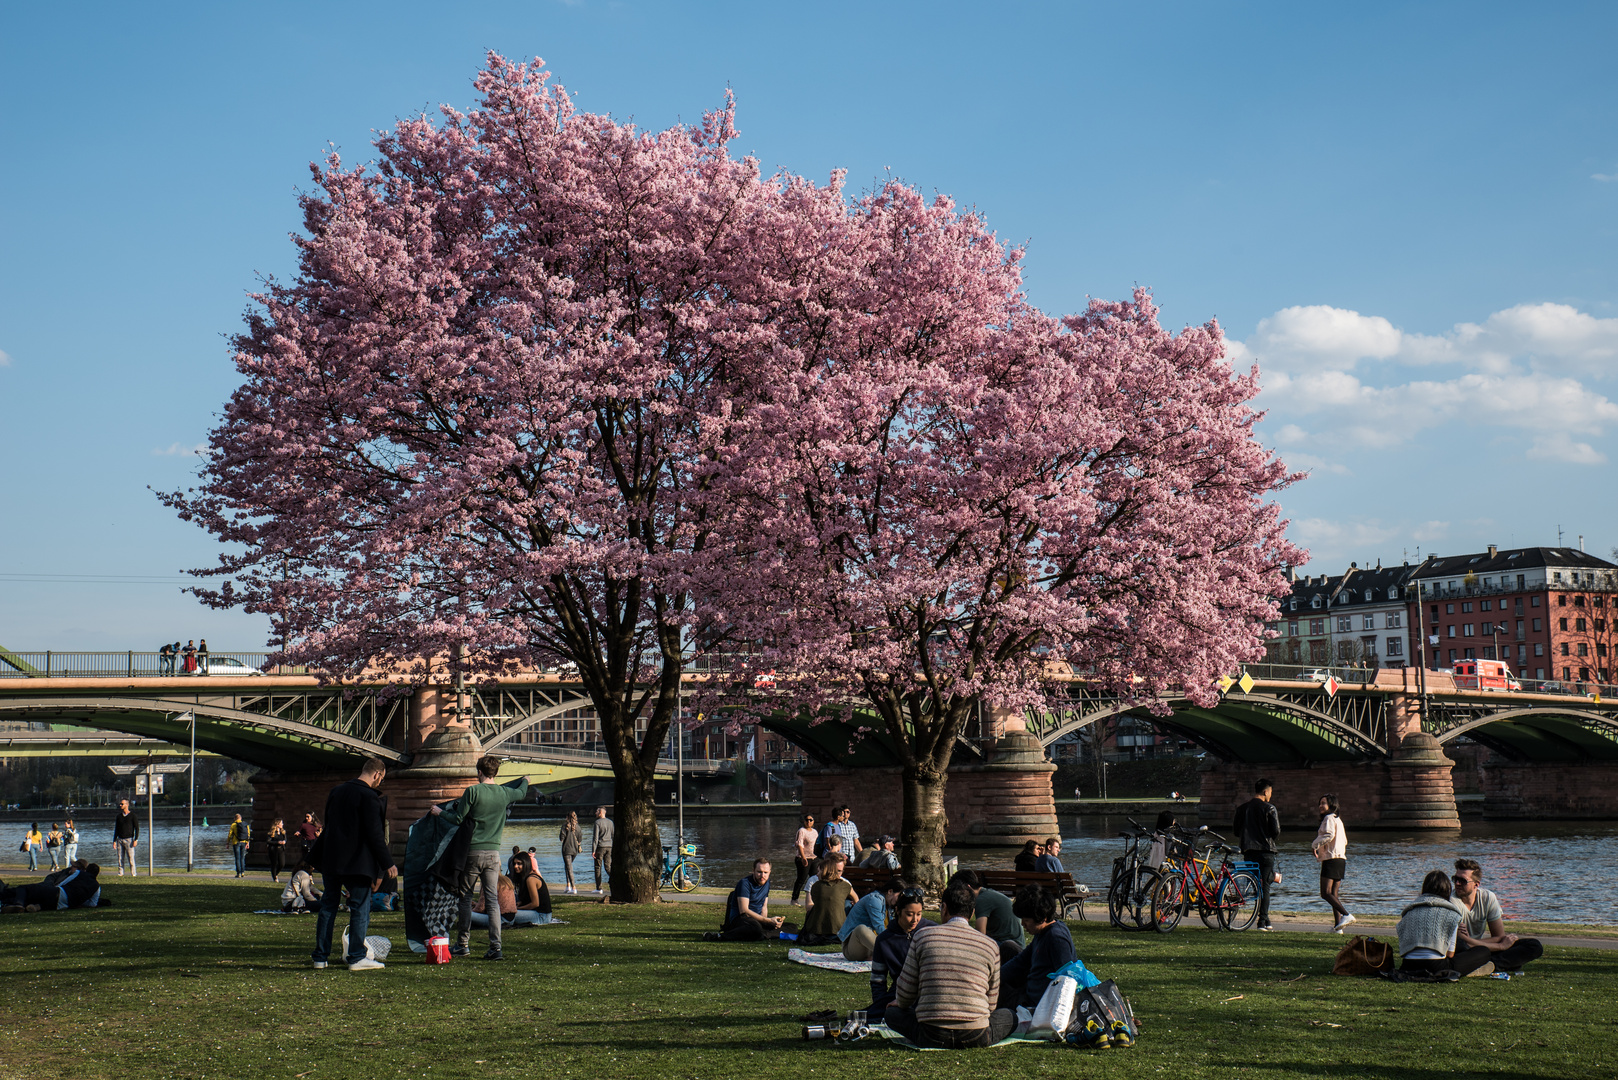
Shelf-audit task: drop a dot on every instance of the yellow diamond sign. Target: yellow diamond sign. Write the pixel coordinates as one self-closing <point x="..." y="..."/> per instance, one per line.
<point x="1246" y="683"/>
<point x="1225" y="683"/>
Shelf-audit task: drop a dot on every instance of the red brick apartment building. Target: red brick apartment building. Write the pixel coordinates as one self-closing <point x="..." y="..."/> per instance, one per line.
<point x="1548" y="612"/>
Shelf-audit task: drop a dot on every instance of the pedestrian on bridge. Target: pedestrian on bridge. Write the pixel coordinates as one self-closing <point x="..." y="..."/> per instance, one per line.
<point x="165" y="658"/>
<point x="485" y="804"/>
<point x="190" y="653"/>
<point x="125" y="837"/>
<point x="202" y="656"/>
<point x="572" y="838"/>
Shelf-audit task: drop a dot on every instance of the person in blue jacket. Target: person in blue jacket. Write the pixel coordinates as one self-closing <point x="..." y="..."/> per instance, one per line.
<point x="1025" y="977"/>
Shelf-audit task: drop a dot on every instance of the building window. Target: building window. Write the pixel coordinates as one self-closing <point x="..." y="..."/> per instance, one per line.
<point x="1449" y="609"/>
<point x="1578" y="624"/>
<point x="1369" y="623"/>
<point x="1601" y="626"/>
<point x="1317" y="626"/>
<point x="1561" y="600"/>
<point x="1466" y="608"/>
<point x="1292" y="629"/>
<point x="1484" y="606"/>
<point x="1452" y="656"/>
<point x="1601" y="649"/>
<point x="1556" y="575"/>
<point x="1488" y="652"/>
<point x="1317" y="652"/>
<point x="1539" y="648"/>
<point x="1450" y="630"/>
<point x="1467" y="630"/>
<point x="1470" y="655"/>
<point x="1522" y="582"/>
<point x="1567" y="673"/>
<point x="1564" y="648"/>
<point x="1578" y="601"/>
<point x="1584" y="673"/>
<point x="1584" y="649"/>
<point x="1393" y="592"/>
<point x="1533" y="601"/>
<point x="1539" y="673"/>
<point x="1516" y="604"/>
<point x="1522" y="653"/>
<point x="1316" y="601"/>
<point x="1292" y="605"/>
<point x="1368" y="596"/>
<point x="1394" y="619"/>
<point x="1561" y="624"/>
<point x="1396" y="646"/>
<point x="1537" y="626"/>
<point x="1345" y="624"/>
<point x="1435" y="613"/>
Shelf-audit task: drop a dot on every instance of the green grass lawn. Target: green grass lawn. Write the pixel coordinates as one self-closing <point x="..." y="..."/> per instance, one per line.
<point x="177" y="980"/>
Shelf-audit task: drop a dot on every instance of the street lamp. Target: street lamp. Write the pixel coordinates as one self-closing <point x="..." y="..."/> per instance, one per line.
<point x="1495" y="630"/>
<point x="191" y="799"/>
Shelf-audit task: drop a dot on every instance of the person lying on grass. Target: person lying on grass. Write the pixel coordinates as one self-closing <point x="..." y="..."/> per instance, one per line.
<point x="73" y="887"/>
<point x="831" y="896"/>
<point x="747" y="909"/>
<point x="1025" y="977"/>
<point x="946" y="993"/>
<point x="893" y="947"/>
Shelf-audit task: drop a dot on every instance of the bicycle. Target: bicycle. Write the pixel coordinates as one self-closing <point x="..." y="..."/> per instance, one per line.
<point x="1134" y="876"/>
<point x="1228" y="896"/>
<point x="683" y="874"/>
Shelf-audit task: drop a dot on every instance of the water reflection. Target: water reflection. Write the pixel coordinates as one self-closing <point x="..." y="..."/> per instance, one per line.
<point x="1538" y="869"/>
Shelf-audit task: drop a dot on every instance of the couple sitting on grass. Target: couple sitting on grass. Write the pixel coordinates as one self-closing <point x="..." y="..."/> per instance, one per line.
<point x="1456" y="928"/>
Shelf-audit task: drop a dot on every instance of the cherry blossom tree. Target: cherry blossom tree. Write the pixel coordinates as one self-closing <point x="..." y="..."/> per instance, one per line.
<point x="470" y="429"/>
<point x="942" y="498"/>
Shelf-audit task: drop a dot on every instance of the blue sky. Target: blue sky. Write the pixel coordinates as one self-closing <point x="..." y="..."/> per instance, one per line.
<point x="1406" y="213"/>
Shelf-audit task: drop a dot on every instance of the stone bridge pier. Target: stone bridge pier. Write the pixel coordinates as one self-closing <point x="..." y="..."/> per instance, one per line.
<point x="443" y="763"/>
<point x="1412" y="788"/>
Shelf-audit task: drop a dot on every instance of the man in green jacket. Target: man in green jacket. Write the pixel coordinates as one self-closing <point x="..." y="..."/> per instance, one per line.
<point x="484" y="804"/>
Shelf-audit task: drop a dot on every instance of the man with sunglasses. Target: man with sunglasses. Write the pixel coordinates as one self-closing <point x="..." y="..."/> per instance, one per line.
<point x="1482" y="945"/>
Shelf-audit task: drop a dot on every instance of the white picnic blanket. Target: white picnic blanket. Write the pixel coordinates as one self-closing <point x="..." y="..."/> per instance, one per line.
<point x="829" y="961"/>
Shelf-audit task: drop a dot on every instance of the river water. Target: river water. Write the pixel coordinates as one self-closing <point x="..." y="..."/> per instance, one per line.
<point x="1541" y="870"/>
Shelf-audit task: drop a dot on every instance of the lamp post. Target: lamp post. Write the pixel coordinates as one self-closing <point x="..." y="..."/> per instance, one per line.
<point x="191" y="799"/>
<point x="1495" y="630"/>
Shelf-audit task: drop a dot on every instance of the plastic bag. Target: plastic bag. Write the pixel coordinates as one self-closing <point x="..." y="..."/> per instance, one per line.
<point x="1055" y="1009"/>
<point x="1077" y="972"/>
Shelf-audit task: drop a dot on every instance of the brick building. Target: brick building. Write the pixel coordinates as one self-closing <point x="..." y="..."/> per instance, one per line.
<point x="1546" y="611"/>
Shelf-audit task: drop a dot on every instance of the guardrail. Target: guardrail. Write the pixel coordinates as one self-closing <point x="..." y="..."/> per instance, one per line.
<point x="112" y="665"/>
<point x="1316" y="673"/>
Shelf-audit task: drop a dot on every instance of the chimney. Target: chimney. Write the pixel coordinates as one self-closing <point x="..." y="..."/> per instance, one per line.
<point x="1581" y="541"/>
<point x="1379" y="562"/>
<point x="1493" y="551"/>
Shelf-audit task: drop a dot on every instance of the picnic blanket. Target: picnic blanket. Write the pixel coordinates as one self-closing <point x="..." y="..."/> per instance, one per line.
<point x="830" y="961"/>
<point x="278" y="911"/>
<point x="882" y="1035"/>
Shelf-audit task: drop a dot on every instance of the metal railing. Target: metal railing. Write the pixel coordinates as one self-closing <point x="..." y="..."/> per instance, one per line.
<point x="113" y="665"/>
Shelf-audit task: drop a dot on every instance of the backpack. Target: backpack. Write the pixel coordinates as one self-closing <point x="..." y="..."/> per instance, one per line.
<point x="1364" y="956"/>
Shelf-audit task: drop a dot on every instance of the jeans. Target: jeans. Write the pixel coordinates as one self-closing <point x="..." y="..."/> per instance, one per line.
<point x="359" y="917"/>
<point x="33" y="857"/>
<point x="486" y="865"/>
<point x="69" y="853"/>
<point x="55" y="856"/>
<point x="521" y="918"/>
<point x="240" y="852"/>
<point x="165" y="664"/>
<point x="603" y="861"/>
<point x="1266" y="881"/>
<point x="902" y="1019"/>
<point x="276" y="851"/>
<point x="1525" y="951"/>
<point x="567" y="868"/>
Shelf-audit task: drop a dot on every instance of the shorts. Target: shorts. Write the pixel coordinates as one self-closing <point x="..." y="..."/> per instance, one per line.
<point x="1332" y="869"/>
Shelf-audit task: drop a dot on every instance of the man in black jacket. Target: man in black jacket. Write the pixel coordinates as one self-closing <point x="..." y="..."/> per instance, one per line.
<point x="352" y="853"/>
<point x="1257" y="827"/>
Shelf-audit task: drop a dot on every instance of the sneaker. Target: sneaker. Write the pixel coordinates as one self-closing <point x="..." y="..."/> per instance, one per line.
<point x="366" y="965"/>
<point x="1346" y="920"/>
<point x="320" y="965"/>
<point x="1482" y="972"/>
<point x="1452" y="975"/>
<point x="494" y="954"/>
<point x="711" y="935"/>
<point x="459" y="950"/>
<point x="1266" y="927"/>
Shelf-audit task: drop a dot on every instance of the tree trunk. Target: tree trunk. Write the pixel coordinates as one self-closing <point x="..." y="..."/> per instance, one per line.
<point x="637" y="854"/>
<point x="925" y="824"/>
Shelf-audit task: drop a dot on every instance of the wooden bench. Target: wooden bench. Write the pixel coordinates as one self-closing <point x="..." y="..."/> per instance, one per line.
<point x="1069" y="893"/>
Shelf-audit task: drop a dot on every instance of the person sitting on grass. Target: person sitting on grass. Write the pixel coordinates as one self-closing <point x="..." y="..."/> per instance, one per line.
<point x="947" y="989"/>
<point x="747" y="909"/>
<point x="1485" y="947"/>
<point x="995" y="919"/>
<point x="505" y="901"/>
<point x="1025" y="977"/>
<point x="533" y="894"/>
<point x="829" y="903"/>
<point x="867" y="919"/>
<point x="892" y="947"/>
<point x="1427" y="931"/>
<point x="834" y="846"/>
<point x="300" y="894"/>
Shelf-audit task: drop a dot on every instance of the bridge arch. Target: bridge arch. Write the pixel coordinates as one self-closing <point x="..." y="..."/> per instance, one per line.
<point x="1540" y="733"/>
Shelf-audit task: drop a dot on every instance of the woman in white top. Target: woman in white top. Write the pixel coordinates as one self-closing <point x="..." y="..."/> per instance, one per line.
<point x="1331" y="849"/>
<point x="803" y="853"/>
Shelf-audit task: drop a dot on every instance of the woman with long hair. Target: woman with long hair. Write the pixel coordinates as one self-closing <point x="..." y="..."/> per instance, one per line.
<point x="533" y="895"/>
<point x="1028" y="858"/>
<point x="1331" y="849"/>
<point x="276" y="846"/>
<point x="572" y="838"/>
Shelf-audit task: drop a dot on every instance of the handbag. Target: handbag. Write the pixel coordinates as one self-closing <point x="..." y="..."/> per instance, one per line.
<point x="23" y="846"/>
<point x="1363" y="956"/>
<point x="1055" y="1009"/>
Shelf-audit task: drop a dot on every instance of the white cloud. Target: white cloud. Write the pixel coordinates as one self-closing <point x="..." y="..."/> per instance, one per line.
<point x="1605" y="178"/>
<point x="1558" y="446"/>
<point x="181" y="450"/>
<point x="1428" y="531"/>
<point x="1323" y="532"/>
<point x="1554" y="338"/>
<point x="5" y="358"/>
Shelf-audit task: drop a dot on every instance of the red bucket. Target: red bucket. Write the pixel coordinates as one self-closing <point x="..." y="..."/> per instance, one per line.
<point x="438" y="950"/>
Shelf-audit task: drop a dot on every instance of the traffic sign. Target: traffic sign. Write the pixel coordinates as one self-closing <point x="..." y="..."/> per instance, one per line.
<point x="1330" y="686"/>
<point x="1246" y="683"/>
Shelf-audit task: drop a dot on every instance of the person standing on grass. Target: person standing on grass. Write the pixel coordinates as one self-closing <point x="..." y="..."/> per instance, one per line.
<point x="276" y="847"/>
<point x="53" y="845"/>
<point x="1257" y="826"/>
<point x="238" y="837"/>
<point x="803" y="854"/>
<point x="352" y="853"/>
<point x="950" y="984"/>
<point x="1331" y="848"/>
<point x="601" y="847"/>
<point x="70" y="843"/>
<point x="850" y="833"/>
<point x="572" y="838"/>
<point x="32" y="841"/>
<point x="485" y="804"/>
<point x="307" y="832"/>
<point x="1483" y="941"/>
<point x="125" y="836"/>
